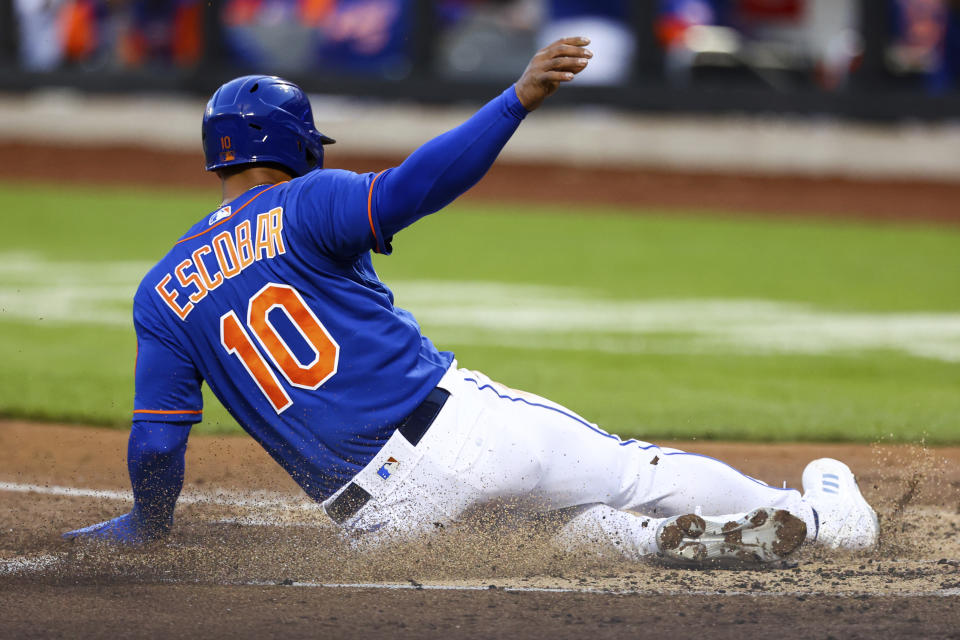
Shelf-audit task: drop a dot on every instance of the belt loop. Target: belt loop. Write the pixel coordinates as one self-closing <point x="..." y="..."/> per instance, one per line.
<point x="348" y="503"/>
<point x="416" y="424"/>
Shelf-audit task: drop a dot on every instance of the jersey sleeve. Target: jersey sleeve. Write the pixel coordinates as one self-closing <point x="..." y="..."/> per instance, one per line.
<point x="167" y="382"/>
<point x="333" y="209"/>
<point x="447" y="166"/>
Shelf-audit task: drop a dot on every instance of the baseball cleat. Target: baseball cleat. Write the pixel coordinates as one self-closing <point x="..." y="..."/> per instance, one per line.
<point x="844" y="519"/>
<point x="761" y="536"/>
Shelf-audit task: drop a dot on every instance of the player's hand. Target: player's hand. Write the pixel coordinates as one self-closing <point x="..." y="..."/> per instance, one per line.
<point x="555" y="63"/>
<point x="128" y="529"/>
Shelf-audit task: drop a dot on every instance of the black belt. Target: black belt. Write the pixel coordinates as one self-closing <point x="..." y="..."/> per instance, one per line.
<point x="412" y="429"/>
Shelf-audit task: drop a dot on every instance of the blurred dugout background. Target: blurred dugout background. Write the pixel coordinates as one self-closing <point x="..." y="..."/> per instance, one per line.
<point x="863" y="59"/>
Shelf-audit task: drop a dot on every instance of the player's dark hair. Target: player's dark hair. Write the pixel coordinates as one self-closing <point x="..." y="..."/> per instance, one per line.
<point x="234" y="169"/>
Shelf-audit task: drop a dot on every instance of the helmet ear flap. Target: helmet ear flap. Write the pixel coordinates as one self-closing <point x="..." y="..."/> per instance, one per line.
<point x="308" y="157"/>
<point x="312" y="161"/>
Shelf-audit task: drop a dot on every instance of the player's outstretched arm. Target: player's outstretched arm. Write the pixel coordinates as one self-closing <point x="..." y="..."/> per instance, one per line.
<point x="442" y="169"/>
<point x="155" y="460"/>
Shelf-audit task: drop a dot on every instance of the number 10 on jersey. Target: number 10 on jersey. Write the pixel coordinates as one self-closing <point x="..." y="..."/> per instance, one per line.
<point x="237" y="341"/>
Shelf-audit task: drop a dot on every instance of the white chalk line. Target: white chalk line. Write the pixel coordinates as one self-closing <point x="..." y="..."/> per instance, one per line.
<point x="48" y="562"/>
<point x="595" y="590"/>
<point x="36" y="290"/>
<point x="30" y="564"/>
<point x="222" y="498"/>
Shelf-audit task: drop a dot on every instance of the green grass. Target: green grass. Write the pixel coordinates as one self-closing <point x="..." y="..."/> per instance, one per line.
<point x="785" y="398"/>
<point x="97" y="223"/>
<point x="842" y="265"/>
<point x="62" y="370"/>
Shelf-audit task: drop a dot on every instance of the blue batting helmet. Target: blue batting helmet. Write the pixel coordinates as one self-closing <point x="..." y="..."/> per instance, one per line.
<point x="262" y="119"/>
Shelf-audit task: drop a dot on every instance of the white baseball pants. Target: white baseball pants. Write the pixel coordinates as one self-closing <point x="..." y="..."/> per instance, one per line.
<point x="494" y="444"/>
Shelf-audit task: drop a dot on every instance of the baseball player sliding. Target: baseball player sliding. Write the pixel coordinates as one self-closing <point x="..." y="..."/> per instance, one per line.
<point x="272" y="299"/>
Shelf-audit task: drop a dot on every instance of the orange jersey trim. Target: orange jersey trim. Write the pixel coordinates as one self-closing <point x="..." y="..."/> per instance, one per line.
<point x="197" y="235"/>
<point x="165" y="412"/>
<point x="373" y="230"/>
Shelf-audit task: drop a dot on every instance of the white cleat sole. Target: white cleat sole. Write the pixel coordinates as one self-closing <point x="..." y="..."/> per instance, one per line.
<point x="763" y="536"/>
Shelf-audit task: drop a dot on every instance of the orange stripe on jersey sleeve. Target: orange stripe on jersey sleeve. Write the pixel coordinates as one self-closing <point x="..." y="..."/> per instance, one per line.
<point x="373" y="229"/>
<point x="166" y="412"/>
<point x="239" y="209"/>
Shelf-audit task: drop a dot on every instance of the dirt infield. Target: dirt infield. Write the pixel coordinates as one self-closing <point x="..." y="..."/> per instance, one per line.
<point x="250" y="556"/>
<point x="904" y="200"/>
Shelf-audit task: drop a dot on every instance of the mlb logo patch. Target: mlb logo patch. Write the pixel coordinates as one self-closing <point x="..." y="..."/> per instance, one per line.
<point x="388" y="468"/>
<point x="219" y="215"/>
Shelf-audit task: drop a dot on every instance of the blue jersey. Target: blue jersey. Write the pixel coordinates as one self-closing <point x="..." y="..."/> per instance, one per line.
<point x="273" y="301"/>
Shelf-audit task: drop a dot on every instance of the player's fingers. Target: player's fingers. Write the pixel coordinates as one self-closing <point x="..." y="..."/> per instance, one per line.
<point x="560" y="49"/>
<point x="554" y="77"/>
<point x="568" y="64"/>
<point x="577" y="41"/>
<point x="569" y="51"/>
